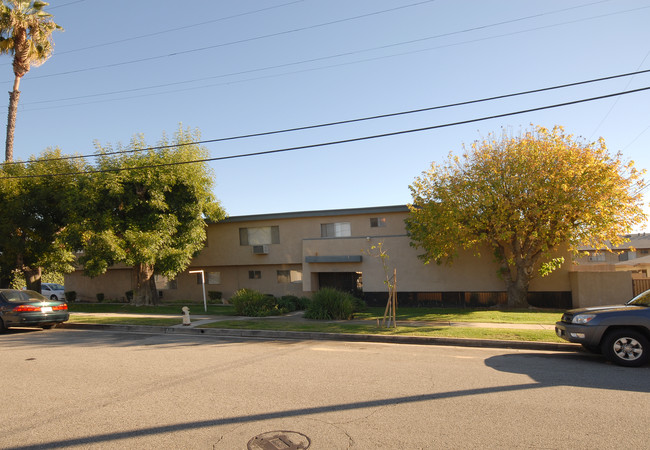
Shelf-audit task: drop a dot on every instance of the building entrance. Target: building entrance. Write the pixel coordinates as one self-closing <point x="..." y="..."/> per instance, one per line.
<point x="343" y="281"/>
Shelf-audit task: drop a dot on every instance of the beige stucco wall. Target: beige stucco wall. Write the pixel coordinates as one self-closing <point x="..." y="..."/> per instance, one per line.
<point x="600" y="288"/>
<point x="300" y="237"/>
<point x="469" y="272"/>
<point x="113" y="284"/>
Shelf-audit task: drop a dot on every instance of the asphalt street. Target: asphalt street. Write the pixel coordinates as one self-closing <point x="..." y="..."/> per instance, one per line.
<point x="106" y="389"/>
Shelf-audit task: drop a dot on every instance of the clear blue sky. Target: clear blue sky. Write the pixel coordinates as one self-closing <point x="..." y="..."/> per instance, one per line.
<point x="230" y="68"/>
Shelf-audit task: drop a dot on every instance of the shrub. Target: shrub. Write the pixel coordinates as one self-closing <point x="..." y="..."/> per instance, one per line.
<point x="252" y="303"/>
<point x="288" y="303"/>
<point x="331" y="304"/>
<point x="70" y="296"/>
<point x="129" y="296"/>
<point x="100" y="297"/>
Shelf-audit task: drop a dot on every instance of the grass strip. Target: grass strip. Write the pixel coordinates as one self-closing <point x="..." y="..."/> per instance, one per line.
<point x="217" y="310"/>
<point x="437" y="331"/>
<point x="104" y="320"/>
<point x="546" y="317"/>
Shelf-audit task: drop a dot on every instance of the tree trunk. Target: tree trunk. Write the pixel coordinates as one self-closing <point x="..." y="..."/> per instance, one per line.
<point x="33" y="278"/>
<point x="145" y="285"/>
<point x="517" y="286"/>
<point x="14" y="96"/>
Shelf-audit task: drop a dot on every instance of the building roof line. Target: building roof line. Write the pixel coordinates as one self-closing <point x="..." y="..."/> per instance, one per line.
<point x="318" y="213"/>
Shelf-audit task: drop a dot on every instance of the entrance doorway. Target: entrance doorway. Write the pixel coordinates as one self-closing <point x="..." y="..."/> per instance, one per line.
<point x="343" y="281"/>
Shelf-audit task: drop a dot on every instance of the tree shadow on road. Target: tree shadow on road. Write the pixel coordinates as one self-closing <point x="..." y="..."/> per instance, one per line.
<point x="547" y="370"/>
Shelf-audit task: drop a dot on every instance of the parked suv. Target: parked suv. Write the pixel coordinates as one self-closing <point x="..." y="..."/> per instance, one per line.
<point x="53" y="291"/>
<point x="620" y="332"/>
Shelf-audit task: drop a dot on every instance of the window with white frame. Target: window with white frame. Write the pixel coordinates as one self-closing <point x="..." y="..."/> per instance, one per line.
<point x="259" y="235"/>
<point x="337" y="229"/>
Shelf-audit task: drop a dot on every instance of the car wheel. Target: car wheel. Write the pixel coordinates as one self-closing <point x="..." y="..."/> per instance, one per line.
<point x="49" y="326"/>
<point x="626" y="348"/>
<point x="2" y="327"/>
<point x="53" y="297"/>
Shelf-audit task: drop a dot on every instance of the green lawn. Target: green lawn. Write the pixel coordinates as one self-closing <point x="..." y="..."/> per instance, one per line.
<point x="370" y="316"/>
<point x="111" y="320"/>
<point x="441" y="331"/>
<point x="546" y="317"/>
<point x="215" y="310"/>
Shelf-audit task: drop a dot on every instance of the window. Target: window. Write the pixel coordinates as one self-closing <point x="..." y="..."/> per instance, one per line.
<point x="254" y="274"/>
<point x="284" y="276"/>
<point x="339" y="229"/>
<point x="377" y="222"/>
<point x="214" y="277"/>
<point x="163" y="283"/>
<point x="597" y="257"/>
<point x="289" y="276"/>
<point x="259" y="236"/>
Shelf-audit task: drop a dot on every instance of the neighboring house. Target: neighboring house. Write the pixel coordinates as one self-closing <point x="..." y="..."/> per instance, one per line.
<point x="637" y="247"/>
<point x="297" y="253"/>
<point x="631" y="259"/>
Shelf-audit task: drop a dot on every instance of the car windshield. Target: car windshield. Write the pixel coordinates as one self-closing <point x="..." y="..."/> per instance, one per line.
<point x="23" y="296"/>
<point x="643" y="299"/>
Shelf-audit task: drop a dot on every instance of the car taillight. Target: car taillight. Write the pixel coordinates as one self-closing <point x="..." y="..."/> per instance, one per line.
<point x="26" y="308"/>
<point x="63" y="307"/>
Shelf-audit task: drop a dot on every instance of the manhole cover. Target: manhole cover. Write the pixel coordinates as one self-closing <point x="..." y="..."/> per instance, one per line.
<point x="275" y="440"/>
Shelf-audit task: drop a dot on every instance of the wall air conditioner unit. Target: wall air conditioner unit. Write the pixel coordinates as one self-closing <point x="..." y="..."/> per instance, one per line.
<point x="260" y="249"/>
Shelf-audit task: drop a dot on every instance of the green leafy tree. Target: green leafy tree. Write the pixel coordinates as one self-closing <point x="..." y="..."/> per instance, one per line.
<point x="38" y="204"/>
<point x="26" y="33"/>
<point x="524" y="198"/>
<point x="148" y="210"/>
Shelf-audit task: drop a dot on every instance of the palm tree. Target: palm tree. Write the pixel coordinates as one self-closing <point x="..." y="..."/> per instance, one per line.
<point x="26" y="33"/>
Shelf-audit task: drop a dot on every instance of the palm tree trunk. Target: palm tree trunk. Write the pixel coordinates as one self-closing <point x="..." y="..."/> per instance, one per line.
<point x="11" y="121"/>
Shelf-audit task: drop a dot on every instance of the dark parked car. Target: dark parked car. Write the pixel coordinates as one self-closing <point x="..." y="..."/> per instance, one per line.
<point x="620" y="332"/>
<point x="30" y="309"/>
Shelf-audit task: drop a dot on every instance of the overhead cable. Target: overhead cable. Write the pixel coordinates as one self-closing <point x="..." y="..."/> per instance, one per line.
<point x="361" y="119"/>
<point x="331" y="143"/>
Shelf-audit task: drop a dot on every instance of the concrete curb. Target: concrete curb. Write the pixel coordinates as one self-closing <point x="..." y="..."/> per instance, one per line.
<point x="300" y="335"/>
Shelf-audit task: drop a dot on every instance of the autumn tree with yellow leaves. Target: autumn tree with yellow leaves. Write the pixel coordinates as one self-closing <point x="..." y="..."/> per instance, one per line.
<point x="525" y="197"/>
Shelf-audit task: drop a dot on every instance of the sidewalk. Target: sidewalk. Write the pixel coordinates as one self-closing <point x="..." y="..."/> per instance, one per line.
<point x="201" y="319"/>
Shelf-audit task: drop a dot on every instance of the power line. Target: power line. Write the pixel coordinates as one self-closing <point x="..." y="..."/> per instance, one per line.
<point x="65" y="4"/>
<point x="361" y="119"/>
<point x="294" y="63"/>
<point x="221" y="19"/>
<point x="240" y="41"/>
<point x="171" y="30"/>
<point x="354" y="52"/>
<point x="611" y="108"/>
<point x="331" y="143"/>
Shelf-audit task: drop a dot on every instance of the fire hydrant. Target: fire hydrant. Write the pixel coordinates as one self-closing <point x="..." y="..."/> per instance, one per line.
<point x="186" y="315"/>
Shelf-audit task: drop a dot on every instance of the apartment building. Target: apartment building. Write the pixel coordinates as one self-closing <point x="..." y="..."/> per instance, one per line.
<point x="296" y="253"/>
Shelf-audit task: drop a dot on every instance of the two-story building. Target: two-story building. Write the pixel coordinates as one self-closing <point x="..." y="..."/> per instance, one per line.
<point x="296" y="253"/>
